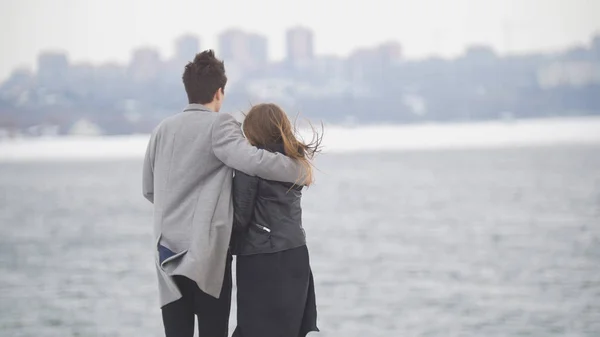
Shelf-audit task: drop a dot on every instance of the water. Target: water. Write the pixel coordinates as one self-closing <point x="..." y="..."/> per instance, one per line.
<point x="501" y="242"/>
<point x="437" y="136"/>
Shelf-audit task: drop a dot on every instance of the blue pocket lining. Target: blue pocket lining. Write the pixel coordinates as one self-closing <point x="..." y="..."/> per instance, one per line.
<point x="164" y="253"/>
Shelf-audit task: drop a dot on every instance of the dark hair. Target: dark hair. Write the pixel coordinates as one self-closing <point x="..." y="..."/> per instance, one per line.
<point x="267" y="124"/>
<point x="203" y="77"/>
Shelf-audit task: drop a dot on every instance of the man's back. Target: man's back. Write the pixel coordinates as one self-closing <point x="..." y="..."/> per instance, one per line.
<point x="191" y="192"/>
<point x="188" y="177"/>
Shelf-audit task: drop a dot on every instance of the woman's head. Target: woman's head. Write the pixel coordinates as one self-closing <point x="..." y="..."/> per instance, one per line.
<point x="267" y="124"/>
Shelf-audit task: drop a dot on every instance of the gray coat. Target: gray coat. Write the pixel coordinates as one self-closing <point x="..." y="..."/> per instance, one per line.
<point x="187" y="174"/>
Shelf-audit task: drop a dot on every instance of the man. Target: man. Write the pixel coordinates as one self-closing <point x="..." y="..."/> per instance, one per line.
<point x="187" y="175"/>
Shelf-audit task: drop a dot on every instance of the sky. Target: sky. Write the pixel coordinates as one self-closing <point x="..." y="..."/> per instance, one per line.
<point x="100" y="31"/>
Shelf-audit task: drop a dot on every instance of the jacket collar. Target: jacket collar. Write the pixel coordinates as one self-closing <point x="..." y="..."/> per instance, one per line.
<point x="196" y="107"/>
<point x="277" y="147"/>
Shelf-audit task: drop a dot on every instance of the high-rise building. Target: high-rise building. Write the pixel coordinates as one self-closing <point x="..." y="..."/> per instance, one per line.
<point x="596" y="44"/>
<point x="245" y="50"/>
<point x="186" y="47"/>
<point x="232" y="45"/>
<point x="259" y="49"/>
<point x="145" y="64"/>
<point x="299" y="45"/>
<point x="53" y="69"/>
<point x="390" y="52"/>
<point x="385" y="54"/>
<point x="375" y="60"/>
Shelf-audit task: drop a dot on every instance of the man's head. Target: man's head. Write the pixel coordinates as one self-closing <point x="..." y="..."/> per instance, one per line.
<point x="204" y="80"/>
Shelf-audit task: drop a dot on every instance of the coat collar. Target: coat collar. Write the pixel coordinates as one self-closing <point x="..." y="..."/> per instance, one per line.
<point x="196" y="107"/>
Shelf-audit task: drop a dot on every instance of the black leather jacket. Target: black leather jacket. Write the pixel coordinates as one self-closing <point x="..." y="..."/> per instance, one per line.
<point x="267" y="214"/>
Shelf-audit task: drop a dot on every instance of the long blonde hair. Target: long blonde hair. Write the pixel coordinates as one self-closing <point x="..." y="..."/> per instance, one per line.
<point x="267" y="124"/>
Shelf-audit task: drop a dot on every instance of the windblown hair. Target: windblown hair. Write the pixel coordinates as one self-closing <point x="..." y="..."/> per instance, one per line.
<point x="267" y="124"/>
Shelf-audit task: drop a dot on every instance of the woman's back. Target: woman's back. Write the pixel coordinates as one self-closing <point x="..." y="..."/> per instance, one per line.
<point x="267" y="214"/>
<point x="276" y="295"/>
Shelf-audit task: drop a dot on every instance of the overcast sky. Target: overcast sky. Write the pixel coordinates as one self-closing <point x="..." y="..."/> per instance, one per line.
<point x="107" y="30"/>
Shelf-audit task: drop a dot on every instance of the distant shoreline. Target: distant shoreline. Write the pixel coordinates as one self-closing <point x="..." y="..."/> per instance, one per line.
<point x="368" y="138"/>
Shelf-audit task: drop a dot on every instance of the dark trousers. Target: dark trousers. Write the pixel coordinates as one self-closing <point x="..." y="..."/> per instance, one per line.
<point x="212" y="313"/>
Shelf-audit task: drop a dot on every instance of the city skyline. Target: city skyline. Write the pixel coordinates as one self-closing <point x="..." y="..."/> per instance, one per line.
<point x="374" y="85"/>
<point x="107" y="31"/>
<point x="185" y="46"/>
<point x="240" y="49"/>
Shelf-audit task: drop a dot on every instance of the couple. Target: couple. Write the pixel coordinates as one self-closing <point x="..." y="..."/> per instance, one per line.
<point x="203" y="214"/>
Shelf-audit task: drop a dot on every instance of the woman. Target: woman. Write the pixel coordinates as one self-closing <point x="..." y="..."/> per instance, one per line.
<point x="276" y="295"/>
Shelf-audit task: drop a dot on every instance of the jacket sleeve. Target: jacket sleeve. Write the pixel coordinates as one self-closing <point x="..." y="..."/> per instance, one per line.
<point x="245" y="189"/>
<point x="230" y="147"/>
<point x="148" y="170"/>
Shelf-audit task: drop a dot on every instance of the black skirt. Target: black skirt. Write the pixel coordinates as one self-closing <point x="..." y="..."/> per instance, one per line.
<point x="275" y="295"/>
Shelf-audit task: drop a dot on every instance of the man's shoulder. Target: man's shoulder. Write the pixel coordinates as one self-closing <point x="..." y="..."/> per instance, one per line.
<point x="225" y="117"/>
<point x="197" y="119"/>
<point x="166" y="122"/>
<point x="224" y="122"/>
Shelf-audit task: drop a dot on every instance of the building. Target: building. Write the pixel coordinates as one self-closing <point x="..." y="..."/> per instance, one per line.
<point x="53" y="70"/>
<point x="299" y="45"/>
<point x="186" y="47"/>
<point x="375" y="60"/>
<point x="568" y="74"/>
<point x="480" y="55"/>
<point x="246" y="51"/>
<point x="390" y="52"/>
<point x="80" y="76"/>
<point x="386" y="53"/>
<point x="596" y="45"/>
<point x="145" y="65"/>
<point x="20" y="81"/>
<point x="259" y="49"/>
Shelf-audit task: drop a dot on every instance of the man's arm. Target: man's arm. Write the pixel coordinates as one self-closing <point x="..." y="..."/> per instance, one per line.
<point x="148" y="170"/>
<point x="230" y="146"/>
